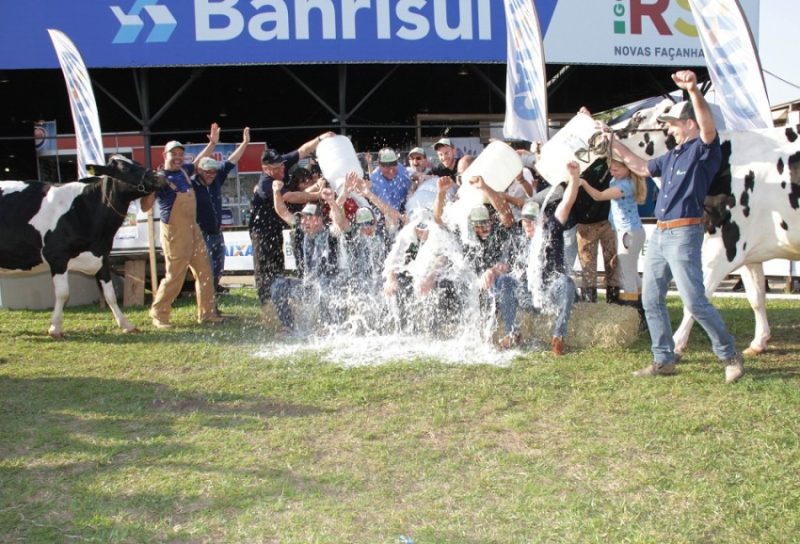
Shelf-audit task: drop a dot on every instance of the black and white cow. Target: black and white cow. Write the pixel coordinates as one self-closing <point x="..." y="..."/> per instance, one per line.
<point x="71" y="227"/>
<point x="752" y="209"/>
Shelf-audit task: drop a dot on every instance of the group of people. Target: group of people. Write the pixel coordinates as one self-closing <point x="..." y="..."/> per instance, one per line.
<point x="423" y="249"/>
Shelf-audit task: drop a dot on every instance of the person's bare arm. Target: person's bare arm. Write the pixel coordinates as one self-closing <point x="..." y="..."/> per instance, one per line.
<point x="213" y="140"/>
<point x="279" y="205"/>
<point x="612" y="193"/>
<point x="443" y="185"/>
<point x="310" y="146"/>
<point x="496" y="199"/>
<point x="687" y="80"/>
<point x="239" y="151"/>
<point x="570" y="193"/>
<point x="336" y="213"/>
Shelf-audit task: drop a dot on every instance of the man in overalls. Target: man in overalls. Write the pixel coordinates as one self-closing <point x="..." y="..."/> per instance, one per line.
<point x="181" y="238"/>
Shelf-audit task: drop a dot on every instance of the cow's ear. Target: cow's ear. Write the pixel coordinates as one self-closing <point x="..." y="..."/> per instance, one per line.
<point x="94" y="169"/>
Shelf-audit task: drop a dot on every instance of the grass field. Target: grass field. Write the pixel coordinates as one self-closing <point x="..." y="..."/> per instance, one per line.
<point x="186" y="436"/>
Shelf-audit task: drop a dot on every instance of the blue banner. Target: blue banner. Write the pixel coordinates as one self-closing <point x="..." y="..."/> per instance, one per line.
<point x="130" y="33"/>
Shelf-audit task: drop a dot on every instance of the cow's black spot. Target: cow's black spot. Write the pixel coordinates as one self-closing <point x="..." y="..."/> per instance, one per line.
<point x="750" y="181"/>
<point x="744" y="246"/>
<point x="730" y="236"/>
<point x="791" y="135"/>
<point x="783" y="185"/>
<point x="784" y="226"/>
<point x="647" y="137"/>
<point x="794" y="195"/>
<point x="779" y="166"/>
<point x="650" y="149"/>
<point x="794" y="168"/>
<point x="722" y="181"/>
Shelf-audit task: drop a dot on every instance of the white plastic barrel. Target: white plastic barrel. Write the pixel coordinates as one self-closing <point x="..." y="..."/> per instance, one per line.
<point x="337" y="158"/>
<point x="498" y="164"/>
<point x="561" y="148"/>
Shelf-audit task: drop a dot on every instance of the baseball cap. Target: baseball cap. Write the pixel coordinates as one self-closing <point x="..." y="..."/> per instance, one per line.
<point x="387" y="157"/>
<point x="311" y="209"/>
<point x="364" y="216"/>
<point x="479" y="214"/>
<point x="207" y="163"/>
<point x="530" y="210"/>
<point x="441" y="142"/>
<point x="272" y="157"/>
<point x="681" y="111"/>
<point x="417" y="151"/>
<point x="172" y="144"/>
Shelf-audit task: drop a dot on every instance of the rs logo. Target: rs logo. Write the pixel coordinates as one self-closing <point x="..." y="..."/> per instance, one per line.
<point x="639" y="10"/>
<point x="131" y="24"/>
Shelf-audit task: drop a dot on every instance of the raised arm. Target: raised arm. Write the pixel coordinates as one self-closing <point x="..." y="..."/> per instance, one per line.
<point x="390" y="215"/>
<point x="443" y="185"/>
<point x="280" y="206"/>
<point x="634" y="163"/>
<point x="239" y="151"/>
<point x="495" y="199"/>
<point x="687" y="80"/>
<point x="336" y="214"/>
<point x="213" y="140"/>
<point x="310" y="146"/>
<point x="570" y="193"/>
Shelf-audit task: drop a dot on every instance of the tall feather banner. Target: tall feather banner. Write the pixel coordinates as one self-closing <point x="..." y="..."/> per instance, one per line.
<point x="526" y="89"/>
<point x="88" y="135"/>
<point x="733" y="63"/>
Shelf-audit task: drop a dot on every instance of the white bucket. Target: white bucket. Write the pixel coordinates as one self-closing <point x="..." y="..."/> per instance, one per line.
<point x="498" y="165"/>
<point x="337" y="158"/>
<point x="561" y="148"/>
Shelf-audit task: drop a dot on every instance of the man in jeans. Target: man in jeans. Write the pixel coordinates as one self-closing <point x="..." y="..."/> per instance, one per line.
<point x="673" y="251"/>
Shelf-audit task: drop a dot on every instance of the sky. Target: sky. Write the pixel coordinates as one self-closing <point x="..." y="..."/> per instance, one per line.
<point x="779" y="46"/>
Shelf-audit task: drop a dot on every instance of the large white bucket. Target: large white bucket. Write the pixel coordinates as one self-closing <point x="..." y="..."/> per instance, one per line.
<point x="337" y="158"/>
<point x="498" y="165"/>
<point x="561" y="148"/>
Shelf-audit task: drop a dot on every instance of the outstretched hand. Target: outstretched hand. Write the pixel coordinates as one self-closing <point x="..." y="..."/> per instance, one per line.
<point x="213" y="135"/>
<point x="574" y="169"/>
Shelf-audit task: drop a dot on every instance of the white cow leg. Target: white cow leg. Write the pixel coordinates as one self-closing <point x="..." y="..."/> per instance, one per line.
<point x="753" y="279"/>
<point x="61" y="289"/>
<point x="111" y="299"/>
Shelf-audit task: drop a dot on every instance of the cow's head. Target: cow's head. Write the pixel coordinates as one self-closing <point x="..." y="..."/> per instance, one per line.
<point x="129" y="172"/>
<point x="643" y="133"/>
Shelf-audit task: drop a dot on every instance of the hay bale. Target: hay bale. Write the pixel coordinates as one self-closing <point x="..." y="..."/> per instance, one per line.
<point x="591" y="325"/>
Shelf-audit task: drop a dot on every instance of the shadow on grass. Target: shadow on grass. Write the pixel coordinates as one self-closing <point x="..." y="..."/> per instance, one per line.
<point x="69" y="446"/>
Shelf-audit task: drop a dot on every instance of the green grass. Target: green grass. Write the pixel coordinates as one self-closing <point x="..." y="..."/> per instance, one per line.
<point x="186" y="436"/>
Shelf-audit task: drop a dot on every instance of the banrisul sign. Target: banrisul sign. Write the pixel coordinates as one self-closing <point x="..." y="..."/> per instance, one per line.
<point x="122" y="33"/>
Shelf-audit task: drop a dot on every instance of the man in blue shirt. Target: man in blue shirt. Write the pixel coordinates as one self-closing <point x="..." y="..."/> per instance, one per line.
<point x="207" y="183"/>
<point x="390" y="182"/>
<point x="674" y="249"/>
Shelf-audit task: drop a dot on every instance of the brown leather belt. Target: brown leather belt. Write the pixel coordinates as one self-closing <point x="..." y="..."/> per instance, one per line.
<point x="675" y="223"/>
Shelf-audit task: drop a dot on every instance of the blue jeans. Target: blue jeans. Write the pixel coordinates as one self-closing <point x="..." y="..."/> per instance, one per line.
<point x="281" y="291"/>
<point x="504" y="292"/>
<point x="215" y="245"/>
<point x="558" y="299"/>
<point x="675" y="254"/>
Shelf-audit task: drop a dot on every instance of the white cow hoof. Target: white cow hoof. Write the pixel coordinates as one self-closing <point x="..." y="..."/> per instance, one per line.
<point x="56" y="335"/>
<point x="131" y="330"/>
<point x="753" y="351"/>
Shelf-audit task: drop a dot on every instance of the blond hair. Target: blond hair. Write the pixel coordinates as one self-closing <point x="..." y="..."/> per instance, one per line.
<point x="639" y="184"/>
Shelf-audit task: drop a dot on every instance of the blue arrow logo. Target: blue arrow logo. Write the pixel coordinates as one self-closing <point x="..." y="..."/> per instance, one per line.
<point x="131" y="24"/>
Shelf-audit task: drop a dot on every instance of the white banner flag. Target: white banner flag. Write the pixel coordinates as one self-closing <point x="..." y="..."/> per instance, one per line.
<point x="733" y="63"/>
<point x="88" y="136"/>
<point x="526" y="89"/>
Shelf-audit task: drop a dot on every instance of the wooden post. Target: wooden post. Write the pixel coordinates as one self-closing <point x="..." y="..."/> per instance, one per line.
<point x="133" y="293"/>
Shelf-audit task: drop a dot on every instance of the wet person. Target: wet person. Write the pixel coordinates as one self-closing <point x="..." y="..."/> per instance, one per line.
<point x="317" y="288"/>
<point x="674" y="248"/>
<point x="551" y="287"/>
<point x="448" y="159"/>
<point x="265" y="225"/>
